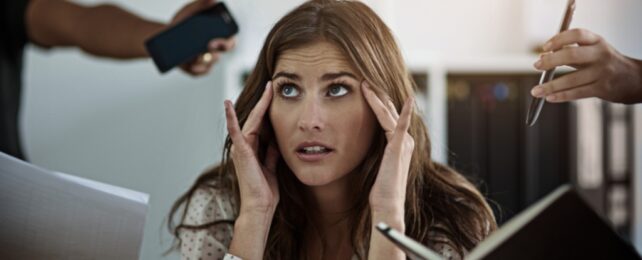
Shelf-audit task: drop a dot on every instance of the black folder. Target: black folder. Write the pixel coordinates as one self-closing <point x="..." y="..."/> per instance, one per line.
<point x="560" y="226"/>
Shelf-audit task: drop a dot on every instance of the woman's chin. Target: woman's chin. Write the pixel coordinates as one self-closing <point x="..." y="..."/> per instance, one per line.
<point x="315" y="177"/>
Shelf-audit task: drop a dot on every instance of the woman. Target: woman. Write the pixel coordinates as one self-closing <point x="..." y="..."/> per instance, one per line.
<point x="318" y="154"/>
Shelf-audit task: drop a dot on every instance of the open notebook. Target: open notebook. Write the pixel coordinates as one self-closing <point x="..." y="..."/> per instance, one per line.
<point x="52" y="215"/>
<point x="559" y="226"/>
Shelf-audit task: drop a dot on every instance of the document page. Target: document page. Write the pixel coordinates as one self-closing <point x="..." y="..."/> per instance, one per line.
<point x="52" y="215"/>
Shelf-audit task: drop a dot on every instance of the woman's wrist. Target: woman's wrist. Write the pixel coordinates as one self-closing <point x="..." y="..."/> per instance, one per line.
<point x="381" y="247"/>
<point x="251" y="230"/>
<point x="263" y="211"/>
<point x="393" y="217"/>
<point x="257" y="222"/>
<point x="254" y="218"/>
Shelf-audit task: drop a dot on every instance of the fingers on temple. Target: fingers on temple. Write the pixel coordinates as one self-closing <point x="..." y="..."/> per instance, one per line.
<point x="406" y="115"/>
<point x="573" y="36"/>
<point x="382" y="112"/>
<point x="232" y="123"/>
<point x="255" y="119"/>
<point x="392" y="109"/>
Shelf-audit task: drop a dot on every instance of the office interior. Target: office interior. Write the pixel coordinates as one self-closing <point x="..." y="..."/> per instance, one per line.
<point x="125" y="124"/>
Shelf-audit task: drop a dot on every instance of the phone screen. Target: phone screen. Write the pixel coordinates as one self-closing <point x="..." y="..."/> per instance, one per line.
<point x="190" y="37"/>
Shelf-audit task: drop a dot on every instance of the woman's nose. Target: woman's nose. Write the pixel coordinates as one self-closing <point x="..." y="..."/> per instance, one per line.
<point x="311" y="116"/>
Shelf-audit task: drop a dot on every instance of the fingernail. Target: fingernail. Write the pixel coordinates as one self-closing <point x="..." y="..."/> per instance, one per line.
<point x="268" y="85"/>
<point x="537" y="91"/>
<point x="365" y="86"/>
<point x="551" y="98"/>
<point x="547" y="46"/>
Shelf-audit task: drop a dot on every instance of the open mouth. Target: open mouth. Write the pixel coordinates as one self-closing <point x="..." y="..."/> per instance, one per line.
<point x="313" y="153"/>
<point x="314" y="150"/>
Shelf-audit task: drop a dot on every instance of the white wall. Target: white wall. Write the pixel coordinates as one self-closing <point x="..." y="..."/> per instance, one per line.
<point x="123" y="123"/>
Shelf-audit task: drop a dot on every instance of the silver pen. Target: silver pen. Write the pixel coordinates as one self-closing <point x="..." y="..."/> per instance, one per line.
<point x="538" y="103"/>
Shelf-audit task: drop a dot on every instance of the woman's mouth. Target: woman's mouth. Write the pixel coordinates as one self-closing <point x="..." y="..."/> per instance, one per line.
<point x="313" y="153"/>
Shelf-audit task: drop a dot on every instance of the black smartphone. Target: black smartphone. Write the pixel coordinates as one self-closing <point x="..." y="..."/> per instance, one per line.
<point x="189" y="38"/>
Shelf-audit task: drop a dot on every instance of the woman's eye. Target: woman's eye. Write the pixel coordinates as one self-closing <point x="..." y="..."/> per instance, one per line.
<point x="289" y="91"/>
<point x="338" y="90"/>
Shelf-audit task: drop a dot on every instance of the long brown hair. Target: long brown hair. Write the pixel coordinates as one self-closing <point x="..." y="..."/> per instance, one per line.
<point x="438" y="199"/>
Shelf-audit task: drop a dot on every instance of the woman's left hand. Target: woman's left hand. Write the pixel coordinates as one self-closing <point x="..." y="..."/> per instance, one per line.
<point x="388" y="194"/>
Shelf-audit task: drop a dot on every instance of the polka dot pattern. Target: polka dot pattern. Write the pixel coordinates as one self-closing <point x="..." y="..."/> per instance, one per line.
<point x="443" y="247"/>
<point x="206" y="206"/>
<point x="231" y="257"/>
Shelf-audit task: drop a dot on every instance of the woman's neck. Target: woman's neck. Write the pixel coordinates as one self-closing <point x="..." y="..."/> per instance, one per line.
<point x="330" y="203"/>
<point x="330" y="209"/>
<point x="333" y="242"/>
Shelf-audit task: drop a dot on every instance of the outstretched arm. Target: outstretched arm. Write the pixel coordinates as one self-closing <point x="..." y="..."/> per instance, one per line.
<point x="102" y="30"/>
<point x="110" y="31"/>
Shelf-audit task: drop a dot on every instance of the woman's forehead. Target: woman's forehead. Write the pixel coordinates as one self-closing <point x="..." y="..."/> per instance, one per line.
<point x="319" y="56"/>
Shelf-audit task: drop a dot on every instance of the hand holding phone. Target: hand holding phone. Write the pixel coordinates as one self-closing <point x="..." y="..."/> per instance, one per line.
<point x="197" y="35"/>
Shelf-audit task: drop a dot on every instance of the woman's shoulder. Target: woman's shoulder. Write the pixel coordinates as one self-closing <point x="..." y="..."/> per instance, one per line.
<point x="207" y="231"/>
<point x="446" y="250"/>
<point x="443" y="245"/>
<point x="210" y="202"/>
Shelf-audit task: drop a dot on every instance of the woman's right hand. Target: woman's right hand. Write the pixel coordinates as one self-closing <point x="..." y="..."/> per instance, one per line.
<point x="257" y="180"/>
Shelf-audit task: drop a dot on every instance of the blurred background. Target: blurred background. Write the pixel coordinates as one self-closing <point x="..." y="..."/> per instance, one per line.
<point x="125" y="124"/>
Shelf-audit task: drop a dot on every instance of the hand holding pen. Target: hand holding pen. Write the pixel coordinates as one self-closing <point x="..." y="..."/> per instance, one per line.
<point x="601" y="70"/>
<point x="537" y="103"/>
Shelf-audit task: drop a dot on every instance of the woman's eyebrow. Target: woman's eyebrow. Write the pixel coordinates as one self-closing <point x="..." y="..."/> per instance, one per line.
<point x="331" y="76"/>
<point x="288" y="75"/>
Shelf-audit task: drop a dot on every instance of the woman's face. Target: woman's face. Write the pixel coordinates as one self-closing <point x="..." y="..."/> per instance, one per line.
<point x="322" y="122"/>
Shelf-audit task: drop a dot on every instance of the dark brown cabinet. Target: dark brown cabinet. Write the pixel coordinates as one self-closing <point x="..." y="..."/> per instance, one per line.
<point x="515" y="165"/>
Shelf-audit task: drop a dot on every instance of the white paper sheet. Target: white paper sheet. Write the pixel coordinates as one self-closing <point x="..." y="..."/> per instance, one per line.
<point x="51" y="215"/>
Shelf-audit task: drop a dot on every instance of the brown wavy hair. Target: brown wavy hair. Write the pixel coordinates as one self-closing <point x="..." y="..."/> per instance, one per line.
<point x="438" y="199"/>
